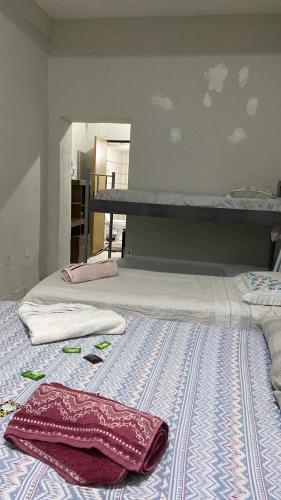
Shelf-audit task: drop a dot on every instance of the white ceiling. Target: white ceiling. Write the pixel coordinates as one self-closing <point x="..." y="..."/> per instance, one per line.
<point x="85" y="9"/>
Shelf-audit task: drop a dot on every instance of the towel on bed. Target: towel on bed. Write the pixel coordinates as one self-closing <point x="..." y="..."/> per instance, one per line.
<point x="86" y="438"/>
<point x="53" y="322"/>
<point x="77" y="273"/>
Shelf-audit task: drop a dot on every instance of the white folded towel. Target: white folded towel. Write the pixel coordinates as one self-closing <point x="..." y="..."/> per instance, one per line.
<point x="53" y="322"/>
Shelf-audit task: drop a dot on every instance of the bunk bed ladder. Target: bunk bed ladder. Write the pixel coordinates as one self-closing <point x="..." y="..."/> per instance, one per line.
<point x="272" y="251"/>
<point x="86" y="223"/>
<point x="111" y="221"/>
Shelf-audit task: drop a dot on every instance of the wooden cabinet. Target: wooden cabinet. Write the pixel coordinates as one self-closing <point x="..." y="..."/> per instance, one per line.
<point x="77" y="220"/>
<point x="96" y="160"/>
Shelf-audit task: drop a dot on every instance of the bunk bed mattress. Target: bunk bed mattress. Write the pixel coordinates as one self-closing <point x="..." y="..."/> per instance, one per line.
<point x="201" y="299"/>
<point x="183" y="199"/>
<point x="211" y="385"/>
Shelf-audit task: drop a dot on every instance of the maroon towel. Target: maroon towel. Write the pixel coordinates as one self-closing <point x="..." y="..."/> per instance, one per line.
<point x="86" y="438"/>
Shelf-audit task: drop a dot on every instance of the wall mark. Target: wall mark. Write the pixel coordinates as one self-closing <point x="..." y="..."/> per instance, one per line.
<point x="238" y="135"/>
<point x="207" y="100"/>
<point x="163" y="102"/>
<point x="243" y="76"/>
<point x="175" y="135"/>
<point x="252" y="106"/>
<point x="216" y="77"/>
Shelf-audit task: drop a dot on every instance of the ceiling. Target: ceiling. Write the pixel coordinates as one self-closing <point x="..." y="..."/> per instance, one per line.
<point x="86" y="9"/>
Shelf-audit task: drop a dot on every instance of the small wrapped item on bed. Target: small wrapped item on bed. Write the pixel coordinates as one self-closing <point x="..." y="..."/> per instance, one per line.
<point x="86" y="438"/>
<point x="78" y="273"/>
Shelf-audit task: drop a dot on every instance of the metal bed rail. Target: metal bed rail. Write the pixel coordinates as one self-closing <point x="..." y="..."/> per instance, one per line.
<point x="277" y="265"/>
<point x="260" y="217"/>
<point x="91" y="195"/>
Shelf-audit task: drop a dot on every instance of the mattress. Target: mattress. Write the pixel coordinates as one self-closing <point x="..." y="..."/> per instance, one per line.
<point x="211" y="385"/>
<point x="183" y="199"/>
<point x="202" y="299"/>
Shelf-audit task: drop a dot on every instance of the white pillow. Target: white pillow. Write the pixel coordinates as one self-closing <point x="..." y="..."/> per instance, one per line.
<point x="260" y="287"/>
<point x="271" y="327"/>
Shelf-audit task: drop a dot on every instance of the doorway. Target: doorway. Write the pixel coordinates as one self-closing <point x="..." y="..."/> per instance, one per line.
<point x="103" y="148"/>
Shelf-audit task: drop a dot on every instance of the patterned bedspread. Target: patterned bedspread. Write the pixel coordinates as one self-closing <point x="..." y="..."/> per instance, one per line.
<point x="210" y="384"/>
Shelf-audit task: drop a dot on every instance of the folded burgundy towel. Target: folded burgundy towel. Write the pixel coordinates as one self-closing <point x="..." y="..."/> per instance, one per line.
<point x="77" y="273"/>
<point x="86" y="438"/>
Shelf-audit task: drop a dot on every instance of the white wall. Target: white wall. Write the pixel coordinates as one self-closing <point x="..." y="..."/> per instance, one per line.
<point x="23" y="144"/>
<point x="118" y="162"/>
<point x="83" y="135"/>
<point x="199" y="159"/>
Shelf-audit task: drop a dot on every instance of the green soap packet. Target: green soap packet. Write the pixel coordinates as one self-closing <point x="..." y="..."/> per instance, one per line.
<point x="33" y="375"/>
<point x="103" y="345"/>
<point x="71" y="349"/>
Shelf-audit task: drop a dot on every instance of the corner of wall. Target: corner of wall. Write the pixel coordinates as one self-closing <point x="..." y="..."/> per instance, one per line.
<point x="30" y="19"/>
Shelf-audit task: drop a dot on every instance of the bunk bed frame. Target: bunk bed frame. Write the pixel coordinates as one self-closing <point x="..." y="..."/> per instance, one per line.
<point x="260" y="217"/>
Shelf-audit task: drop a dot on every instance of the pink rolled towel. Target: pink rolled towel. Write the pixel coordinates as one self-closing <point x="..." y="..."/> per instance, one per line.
<point x="77" y="273"/>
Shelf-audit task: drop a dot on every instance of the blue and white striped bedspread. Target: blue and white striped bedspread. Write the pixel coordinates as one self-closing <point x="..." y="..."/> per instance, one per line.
<point x="212" y="386"/>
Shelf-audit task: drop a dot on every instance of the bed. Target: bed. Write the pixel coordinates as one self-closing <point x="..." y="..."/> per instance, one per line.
<point x="187" y="200"/>
<point x="212" y="386"/>
<point x="210" y="300"/>
<point x="230" y="209"/>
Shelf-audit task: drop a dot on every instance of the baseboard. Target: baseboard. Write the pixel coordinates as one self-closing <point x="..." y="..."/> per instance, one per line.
<point x="18" y="294"/>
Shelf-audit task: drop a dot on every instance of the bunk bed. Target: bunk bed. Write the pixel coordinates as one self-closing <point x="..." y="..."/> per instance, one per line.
<point x="206" y="299"/>
<point x="259" y="211"/>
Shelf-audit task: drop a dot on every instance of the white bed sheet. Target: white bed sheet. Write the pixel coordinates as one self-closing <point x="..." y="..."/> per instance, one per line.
<point x="183" y="199"/>
<point x="210" y="300"/>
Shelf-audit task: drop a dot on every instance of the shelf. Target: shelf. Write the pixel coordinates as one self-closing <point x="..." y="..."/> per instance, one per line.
<point x="77" y="222"/>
